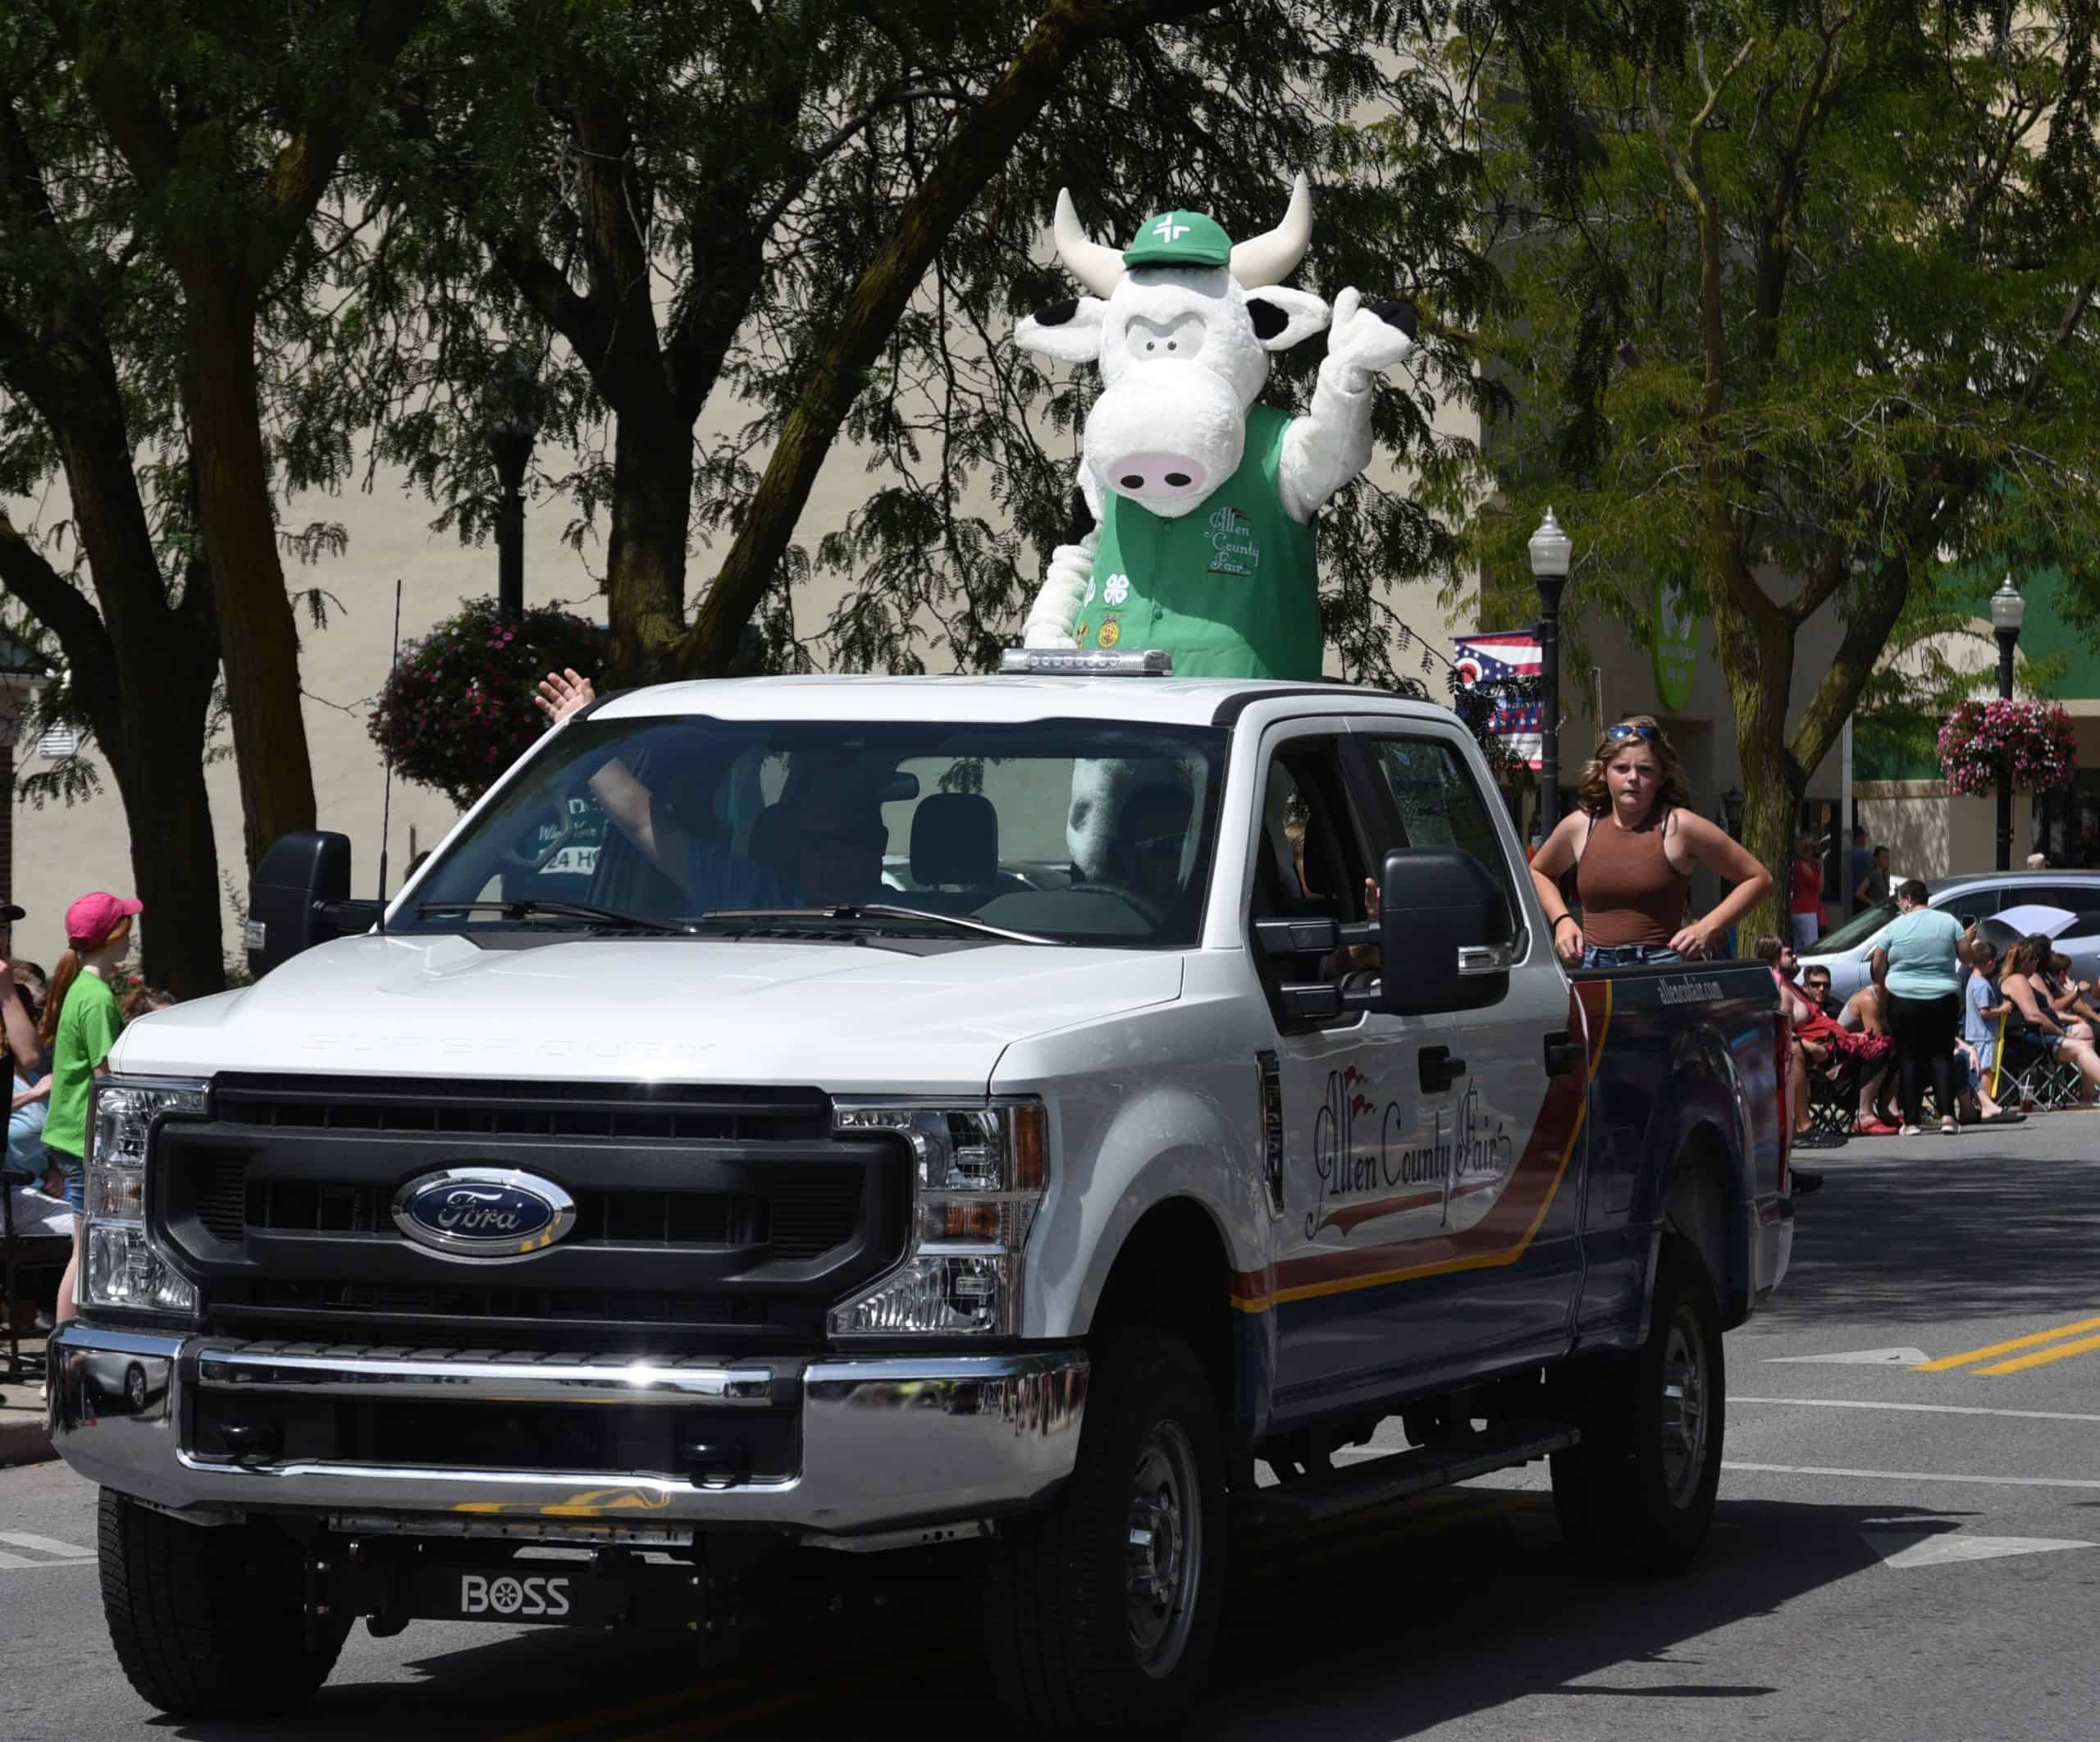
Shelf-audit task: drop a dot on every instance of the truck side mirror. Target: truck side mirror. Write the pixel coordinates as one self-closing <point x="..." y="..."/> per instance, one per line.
<point x="300" y="896"/>
<point x="1445" y="932"/>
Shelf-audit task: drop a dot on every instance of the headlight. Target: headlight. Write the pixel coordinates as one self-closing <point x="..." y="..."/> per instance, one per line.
<point x="123" y="1269"/>
<point x="979" y="1176"/>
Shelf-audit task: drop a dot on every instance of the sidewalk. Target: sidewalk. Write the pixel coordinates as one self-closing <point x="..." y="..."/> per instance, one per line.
<point x="25" y="1438"/>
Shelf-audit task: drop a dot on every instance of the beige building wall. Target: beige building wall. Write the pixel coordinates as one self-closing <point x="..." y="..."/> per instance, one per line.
<point x="1931" y="831"/>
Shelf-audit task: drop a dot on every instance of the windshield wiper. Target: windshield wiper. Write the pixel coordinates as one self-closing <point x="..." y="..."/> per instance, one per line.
<point x="878" y="911"/>
<point x="528" y="906"/>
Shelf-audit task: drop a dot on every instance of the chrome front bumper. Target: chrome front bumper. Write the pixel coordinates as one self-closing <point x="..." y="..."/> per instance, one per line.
<point x="887" y="1443"/>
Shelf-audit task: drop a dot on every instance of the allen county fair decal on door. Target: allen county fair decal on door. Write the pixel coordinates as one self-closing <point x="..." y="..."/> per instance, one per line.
<point x="1371" y="1164"/>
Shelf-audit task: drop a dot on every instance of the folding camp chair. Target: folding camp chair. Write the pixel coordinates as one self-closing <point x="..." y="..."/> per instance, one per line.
<point x="2025" y="1074"/>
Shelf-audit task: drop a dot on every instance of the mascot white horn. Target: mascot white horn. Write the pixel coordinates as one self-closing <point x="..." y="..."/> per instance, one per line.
<point x="1192" y="521"/>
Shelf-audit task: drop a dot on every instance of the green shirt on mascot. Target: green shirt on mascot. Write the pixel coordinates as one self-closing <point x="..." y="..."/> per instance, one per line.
<point x="1192" y="520"/>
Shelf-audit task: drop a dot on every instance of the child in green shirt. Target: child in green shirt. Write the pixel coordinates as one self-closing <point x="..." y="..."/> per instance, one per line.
<point x="81" y="1022"/>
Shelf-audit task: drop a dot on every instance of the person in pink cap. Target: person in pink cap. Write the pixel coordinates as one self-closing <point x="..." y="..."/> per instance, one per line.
<point x="81" y="1022"/>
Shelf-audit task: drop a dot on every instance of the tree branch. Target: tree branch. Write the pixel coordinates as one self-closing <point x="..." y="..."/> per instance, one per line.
<point x="53" y="600"/>
<point x="1063" y="32"/>
<point x="307" y="163"/>
<point x="2073" y="313"/>
<point x="1821" y="587"/>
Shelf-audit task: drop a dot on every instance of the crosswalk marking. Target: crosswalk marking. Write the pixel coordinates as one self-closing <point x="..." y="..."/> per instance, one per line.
<point x="1853" y="1358"/>
<point x="46" y="1544"/>
<point x="1918" y="1409"/>
<point x="1913" y="1475"/>
<point x="40" y="1552"/>
<point x="1908" y="1548"/>
<point x="2011" y="1346"/>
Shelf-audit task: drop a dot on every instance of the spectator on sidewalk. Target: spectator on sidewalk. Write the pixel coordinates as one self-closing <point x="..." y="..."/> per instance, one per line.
<point x="144" y="1000"/>
<point x="1873" y="889"/>
<point x="1805" y="893"/>
<point x="1823" y="1043"/>
<point x="1816" y="981"/>
<point x="2021" y="984"/>
<point x="1858" y="862"/>
<point x="80" y="1024"/>
<point x="31" y="1213"/>
<point x="2068" y="997"/>
<point x="1917" y="964"/>
<point x="1981" y="1011"/>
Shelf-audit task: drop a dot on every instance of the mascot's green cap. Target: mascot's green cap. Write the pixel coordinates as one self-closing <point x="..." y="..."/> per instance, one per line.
<point x="1180" y="238"/>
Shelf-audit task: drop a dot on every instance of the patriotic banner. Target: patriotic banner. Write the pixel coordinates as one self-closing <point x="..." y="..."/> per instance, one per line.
<point x="1500" y="656"/>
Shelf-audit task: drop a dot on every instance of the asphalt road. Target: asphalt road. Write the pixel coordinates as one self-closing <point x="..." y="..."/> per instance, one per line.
<point x="1903" y="1551"/>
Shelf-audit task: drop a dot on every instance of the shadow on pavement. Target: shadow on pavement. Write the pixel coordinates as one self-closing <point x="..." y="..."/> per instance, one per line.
<point x="1380" y="1628"/>
<point x="1910" y="1237"/>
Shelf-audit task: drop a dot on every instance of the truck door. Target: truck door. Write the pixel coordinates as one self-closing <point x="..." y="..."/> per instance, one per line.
<point x="1360" y="1168"/>
<point x="1496" y="1283"/>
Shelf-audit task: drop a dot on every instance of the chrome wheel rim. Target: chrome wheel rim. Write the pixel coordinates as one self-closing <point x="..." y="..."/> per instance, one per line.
<point x="1164" y="1548"/>
<point x="1685" y="1416"/>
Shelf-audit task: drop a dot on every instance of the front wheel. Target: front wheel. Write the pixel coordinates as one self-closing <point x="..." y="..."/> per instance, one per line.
<point x="1637" y="1493"/>
<point x="210" y="1621"/>
<point x="1102" y="1609"/>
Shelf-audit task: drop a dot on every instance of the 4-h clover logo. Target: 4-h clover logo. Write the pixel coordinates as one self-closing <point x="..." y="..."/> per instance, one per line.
<point x="1116" y="589"/>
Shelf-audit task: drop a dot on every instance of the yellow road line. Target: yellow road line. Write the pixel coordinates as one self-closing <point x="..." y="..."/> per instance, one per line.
<point x="2043" y="1357"/>
<point x="2029" y="1341"/>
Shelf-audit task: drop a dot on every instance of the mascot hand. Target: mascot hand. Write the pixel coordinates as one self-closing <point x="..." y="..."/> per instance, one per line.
<point x="1370" y="340"/>
<point x="1065" y="582"/>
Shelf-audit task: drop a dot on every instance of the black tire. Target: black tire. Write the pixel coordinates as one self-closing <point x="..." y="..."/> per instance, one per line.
<point x="209" y="1622"/>
<point x="1074" y="1647"/>
<point x="1636" y="1495"/>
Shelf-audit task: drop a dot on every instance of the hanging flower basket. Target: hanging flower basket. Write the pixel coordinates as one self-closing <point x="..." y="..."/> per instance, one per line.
<point x="458" y="709"/>
<point x="1979" y="738"/>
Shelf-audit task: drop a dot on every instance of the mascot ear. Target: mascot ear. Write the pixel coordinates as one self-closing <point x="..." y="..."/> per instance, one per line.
<point x="1283" y="317"/>
<point x="1069" y="331"/>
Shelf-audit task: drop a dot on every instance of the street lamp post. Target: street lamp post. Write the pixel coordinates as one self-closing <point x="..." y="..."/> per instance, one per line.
<point x="1732" y="804"/>
<point x="2007" y="608"/>
<point x="1550" y="551"/>
<point x="511" y="426"/>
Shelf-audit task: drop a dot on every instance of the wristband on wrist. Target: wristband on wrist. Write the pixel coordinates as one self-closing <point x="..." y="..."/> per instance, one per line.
<point x="1564" y="919"/>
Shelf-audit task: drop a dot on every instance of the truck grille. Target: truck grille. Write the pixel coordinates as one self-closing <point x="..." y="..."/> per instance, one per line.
<point x="699" y="1211"/>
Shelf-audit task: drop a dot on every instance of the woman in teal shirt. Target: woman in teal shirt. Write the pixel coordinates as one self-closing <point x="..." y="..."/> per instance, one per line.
<point x="1917" y="965"/>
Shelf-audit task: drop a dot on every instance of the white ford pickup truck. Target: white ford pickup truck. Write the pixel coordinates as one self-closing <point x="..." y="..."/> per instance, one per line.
<point x="863" y="1112"/>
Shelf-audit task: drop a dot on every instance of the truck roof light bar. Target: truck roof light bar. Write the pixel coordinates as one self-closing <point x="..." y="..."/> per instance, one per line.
<point x="1080" y="662"/>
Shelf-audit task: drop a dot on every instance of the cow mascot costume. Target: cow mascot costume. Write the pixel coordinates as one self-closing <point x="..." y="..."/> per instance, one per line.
<point x="1192" y="523"/>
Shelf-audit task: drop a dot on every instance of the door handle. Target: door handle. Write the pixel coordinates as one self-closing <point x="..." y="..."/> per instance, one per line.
<point x="1440" y="1070"/>
<point x="1562" y="1053"/>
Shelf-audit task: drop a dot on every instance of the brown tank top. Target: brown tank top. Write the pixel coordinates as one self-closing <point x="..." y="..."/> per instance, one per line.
<point x="1630" y="892"/>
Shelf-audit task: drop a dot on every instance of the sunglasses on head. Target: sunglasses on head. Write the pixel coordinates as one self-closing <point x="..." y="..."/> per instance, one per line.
<point x="1619" y="734"/>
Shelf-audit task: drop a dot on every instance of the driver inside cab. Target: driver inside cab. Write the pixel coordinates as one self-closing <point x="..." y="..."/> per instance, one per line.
<point x="831" y="852"/>
<point x="1151" y="838"/>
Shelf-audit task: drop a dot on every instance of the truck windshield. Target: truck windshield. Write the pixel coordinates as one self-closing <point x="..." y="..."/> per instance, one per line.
<point x="1077" y="831"/>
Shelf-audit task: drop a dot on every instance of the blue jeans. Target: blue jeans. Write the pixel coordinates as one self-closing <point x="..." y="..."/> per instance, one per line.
<point x="1627" y="955"/>
<point x="75" y="1170"/>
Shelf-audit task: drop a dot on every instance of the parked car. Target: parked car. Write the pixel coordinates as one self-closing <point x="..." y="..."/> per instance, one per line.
<point x="1848" y="952"/>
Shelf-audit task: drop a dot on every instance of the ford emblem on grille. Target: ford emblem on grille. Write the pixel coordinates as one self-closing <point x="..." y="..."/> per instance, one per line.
<point x="483" y="1212"/>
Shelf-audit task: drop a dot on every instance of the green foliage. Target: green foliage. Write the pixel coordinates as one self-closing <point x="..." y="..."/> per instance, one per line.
<point x="760" y="158"/>
<point x="1801" y="310"/>
<point x="456" y="710"/>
